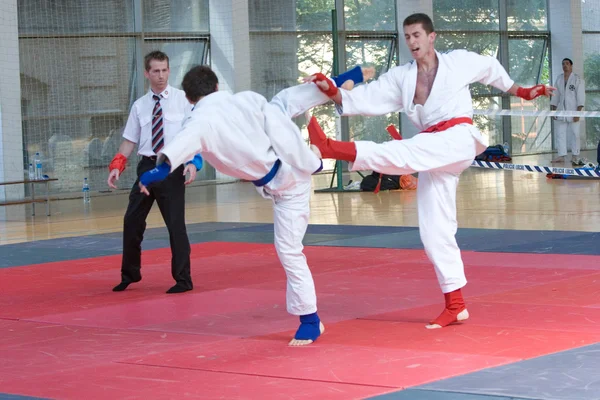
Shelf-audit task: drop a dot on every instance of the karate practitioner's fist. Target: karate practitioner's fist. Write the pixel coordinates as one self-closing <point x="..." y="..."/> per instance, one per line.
<point x="533" y="92"/>
<point x="368" y="73"/>
<point x="324" y="84"/>
<point x="157" y="174"/>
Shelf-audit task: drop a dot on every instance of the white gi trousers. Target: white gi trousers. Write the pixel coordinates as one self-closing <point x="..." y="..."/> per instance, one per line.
<point x="291" y="208"/>
<point x="567" y="131"/>
<point x="439" y="158"/>
<point x="290" y="220"/>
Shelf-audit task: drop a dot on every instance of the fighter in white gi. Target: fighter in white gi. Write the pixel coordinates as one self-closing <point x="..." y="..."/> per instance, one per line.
<point x="246" y="137"/>
<point x="433" y="91"/>
<point x="570" y="96"/>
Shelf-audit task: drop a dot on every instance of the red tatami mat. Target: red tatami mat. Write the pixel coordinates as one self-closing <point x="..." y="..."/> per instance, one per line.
<point x="135" y="382"/>
<point x="29" y="349"/>
<point x="385" y="366"/>
<point x="67" y="335"/>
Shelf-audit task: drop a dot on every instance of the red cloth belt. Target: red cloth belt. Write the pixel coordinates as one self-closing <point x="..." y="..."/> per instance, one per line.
<point x="442" y="126"/>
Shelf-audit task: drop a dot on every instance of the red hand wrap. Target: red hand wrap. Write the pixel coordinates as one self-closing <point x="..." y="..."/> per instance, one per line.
<point x="119" y="162"/>
<point x="332" y="91"/>
<point x="526" y="93"/>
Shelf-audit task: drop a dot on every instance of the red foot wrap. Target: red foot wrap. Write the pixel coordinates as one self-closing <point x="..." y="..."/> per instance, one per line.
<point x="329" y="148"/>
<point x="118" y="162"/>
<point x="454" y="305"/>
<point x="332" y="91"/>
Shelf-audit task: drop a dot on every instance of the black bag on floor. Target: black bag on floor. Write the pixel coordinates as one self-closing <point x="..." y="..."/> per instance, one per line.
<point x="494" y="154"/>
<point x="388" y="182"/>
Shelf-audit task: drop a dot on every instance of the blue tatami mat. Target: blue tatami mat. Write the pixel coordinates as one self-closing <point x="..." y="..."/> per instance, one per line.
<point x="353" y="230"/>
<point x="416" y="394"/>
<point x="483" y="240"/>
<point x="490" y="240"/>
<point x="568" y="375"/>
<point x="4" y="396"/>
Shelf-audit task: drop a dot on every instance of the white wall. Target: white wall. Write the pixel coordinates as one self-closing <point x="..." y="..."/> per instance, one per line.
<point x="11" y="139"/>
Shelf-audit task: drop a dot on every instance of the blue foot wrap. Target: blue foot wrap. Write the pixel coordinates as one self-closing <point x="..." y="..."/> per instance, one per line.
<point x="355" y="75"/>
<point x="156" y="174"/>
<point x="309" y="327"/>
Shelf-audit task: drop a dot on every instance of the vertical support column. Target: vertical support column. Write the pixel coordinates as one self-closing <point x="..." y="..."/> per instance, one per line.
<point x="138" y="25"/>
<point x="230" y="43"/>
<point x="341" y="59"/>
<point x="504" y="60"/>
<point x="230" y="47"/>
<point x="11" y="134"/>
<point x="339" y="41"/>
<point x="564" y="20"/>
<point x="404" y="8"/>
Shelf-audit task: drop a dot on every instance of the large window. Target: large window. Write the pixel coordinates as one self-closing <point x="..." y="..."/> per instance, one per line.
<point x="590" y="11"/>
<point x="290" y="40"/>
<point x="515" y="32"/>
<point x="81" y="70"/>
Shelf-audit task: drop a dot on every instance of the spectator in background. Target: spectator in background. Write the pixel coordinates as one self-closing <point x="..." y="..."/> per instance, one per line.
<point x="570" y="96"/>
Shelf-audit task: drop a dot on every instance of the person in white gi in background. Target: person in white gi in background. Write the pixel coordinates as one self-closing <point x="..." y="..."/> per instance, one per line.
<point x="433" y="91"/>
<point x="570" y="96"/>
<point x="246" y="137"/>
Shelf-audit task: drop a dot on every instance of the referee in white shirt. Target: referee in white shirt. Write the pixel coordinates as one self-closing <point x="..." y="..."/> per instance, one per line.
<point x="154" y="120"/>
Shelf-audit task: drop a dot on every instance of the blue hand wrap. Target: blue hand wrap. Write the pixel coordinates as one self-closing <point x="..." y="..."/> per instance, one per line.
<point x="197" y="161"/>
<point x="355" y="75"/>
<point x="309" y="327"/>
<point x="156" y="174"/>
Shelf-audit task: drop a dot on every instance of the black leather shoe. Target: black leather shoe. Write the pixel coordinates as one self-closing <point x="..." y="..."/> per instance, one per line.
<point x="123" y="285"/>
<point x="179" y="289"/>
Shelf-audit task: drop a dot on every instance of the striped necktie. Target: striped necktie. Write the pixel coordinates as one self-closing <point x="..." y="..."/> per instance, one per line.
<point x="157" y="126"/>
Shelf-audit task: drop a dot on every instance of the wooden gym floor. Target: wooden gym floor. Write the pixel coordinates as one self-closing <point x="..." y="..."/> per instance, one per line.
<point x="486" y="199"/>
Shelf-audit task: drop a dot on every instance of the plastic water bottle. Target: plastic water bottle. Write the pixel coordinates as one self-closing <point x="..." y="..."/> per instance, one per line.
<point x="38" y="167"/>
<point x="86" y="191"/>
<point x="31" y="172"/>
<point x="506" y="148"/>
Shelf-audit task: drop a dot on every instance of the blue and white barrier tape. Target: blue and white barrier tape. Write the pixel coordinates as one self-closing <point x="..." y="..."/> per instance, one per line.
<point x="583" y="172"/>
<point x="544" y="113"/>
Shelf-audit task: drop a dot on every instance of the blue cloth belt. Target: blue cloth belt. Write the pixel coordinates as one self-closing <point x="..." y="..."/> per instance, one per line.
<point x="269" y="176"/>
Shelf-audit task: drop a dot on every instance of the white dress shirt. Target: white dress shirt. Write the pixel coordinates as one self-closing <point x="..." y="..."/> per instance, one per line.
<point x="175" y="108"/>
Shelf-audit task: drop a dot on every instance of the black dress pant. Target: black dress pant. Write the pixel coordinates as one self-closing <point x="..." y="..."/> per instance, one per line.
<point x="170" y="196"/>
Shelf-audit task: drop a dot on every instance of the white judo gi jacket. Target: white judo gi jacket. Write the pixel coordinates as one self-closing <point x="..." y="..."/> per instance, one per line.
<point x="450" y="97"/>
<point x="439" y="157"/>
<point x="243" y="135"/>
<point x="569" y="97"/>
